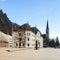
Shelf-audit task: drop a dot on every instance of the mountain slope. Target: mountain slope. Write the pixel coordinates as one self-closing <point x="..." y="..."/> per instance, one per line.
<point x="6" y="24"/>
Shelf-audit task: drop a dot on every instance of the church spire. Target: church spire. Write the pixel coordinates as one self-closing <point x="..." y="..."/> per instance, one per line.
<point x="47" y="30"/>
<point x="47" y="27"/>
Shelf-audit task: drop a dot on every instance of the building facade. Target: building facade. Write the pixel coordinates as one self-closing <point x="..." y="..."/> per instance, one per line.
<point x="27" y="36"/>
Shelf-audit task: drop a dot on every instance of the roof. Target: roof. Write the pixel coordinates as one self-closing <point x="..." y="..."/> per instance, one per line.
<point x="28" y="27"/>
<point x="25" y="27"/>
<point x="44" y="35"/>
<point x="34" y="29"/>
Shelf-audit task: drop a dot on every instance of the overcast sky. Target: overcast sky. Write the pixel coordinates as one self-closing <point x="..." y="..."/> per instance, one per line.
<point x="35" y="12"/>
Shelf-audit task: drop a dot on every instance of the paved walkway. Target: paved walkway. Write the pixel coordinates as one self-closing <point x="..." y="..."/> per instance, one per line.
<point x="30" y="54"/>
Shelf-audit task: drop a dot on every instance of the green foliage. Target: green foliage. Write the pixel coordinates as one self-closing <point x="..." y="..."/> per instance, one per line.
<point x="52" y="43"/>
<point x="5" y="23"/>
<point x="57" y="42"/>
<point x="47" y="42"/>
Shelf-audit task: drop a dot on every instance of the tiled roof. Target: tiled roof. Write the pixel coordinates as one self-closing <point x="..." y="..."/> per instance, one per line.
<point x="34" y="29"/>
<point x="25" y="27"/>
<point x="28" y="27"/>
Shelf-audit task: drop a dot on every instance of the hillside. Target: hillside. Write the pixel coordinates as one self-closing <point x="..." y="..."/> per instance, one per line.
<point x="6" y="24"/>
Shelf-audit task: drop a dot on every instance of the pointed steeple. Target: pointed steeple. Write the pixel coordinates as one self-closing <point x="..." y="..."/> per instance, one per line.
<point x="47" y="30"/>
<point x="47" y="27"/>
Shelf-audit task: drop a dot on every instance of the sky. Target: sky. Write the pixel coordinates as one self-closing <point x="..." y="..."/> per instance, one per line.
<point x="35" y="12"/>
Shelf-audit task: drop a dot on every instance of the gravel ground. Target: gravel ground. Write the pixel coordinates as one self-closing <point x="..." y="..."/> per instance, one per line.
<point x="29" y="54"/>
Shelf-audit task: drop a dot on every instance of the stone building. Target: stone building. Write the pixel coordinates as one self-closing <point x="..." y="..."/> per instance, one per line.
<point x="5" y="40"/>
<point x="26" y="36"/>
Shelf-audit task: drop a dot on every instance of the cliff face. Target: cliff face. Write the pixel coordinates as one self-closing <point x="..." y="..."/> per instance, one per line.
<point x="6" y="24"/>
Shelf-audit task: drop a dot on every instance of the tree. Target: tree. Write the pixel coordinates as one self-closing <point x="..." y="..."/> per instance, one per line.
<point x="52" y="43"/>
<point x="47" y="42"/>
<point x="57" y="42"/>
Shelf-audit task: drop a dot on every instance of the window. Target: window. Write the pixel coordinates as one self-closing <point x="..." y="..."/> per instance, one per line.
<point x="28" y="34"/>
<point x="28" y="44"/>
<point x="19" y="39"/>
<point x="23" y="44"/>
<point x="19" y="44"/>
<point x="28" y="39"/>
<point x="19" y="34"/>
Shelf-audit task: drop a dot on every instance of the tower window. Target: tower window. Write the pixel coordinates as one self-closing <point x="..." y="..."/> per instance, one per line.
<point x="28" y="44"/>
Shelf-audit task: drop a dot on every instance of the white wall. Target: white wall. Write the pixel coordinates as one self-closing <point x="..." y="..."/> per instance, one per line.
<point x="31" y="39"/>
<point x="39" y="38"/>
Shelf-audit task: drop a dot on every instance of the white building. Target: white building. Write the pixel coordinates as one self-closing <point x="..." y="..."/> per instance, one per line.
<point x="27" y="36"/>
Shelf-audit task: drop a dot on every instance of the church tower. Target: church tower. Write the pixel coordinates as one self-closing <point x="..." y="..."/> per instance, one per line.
<point x="47" y="31"/>
<point x="47" y="34"/>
